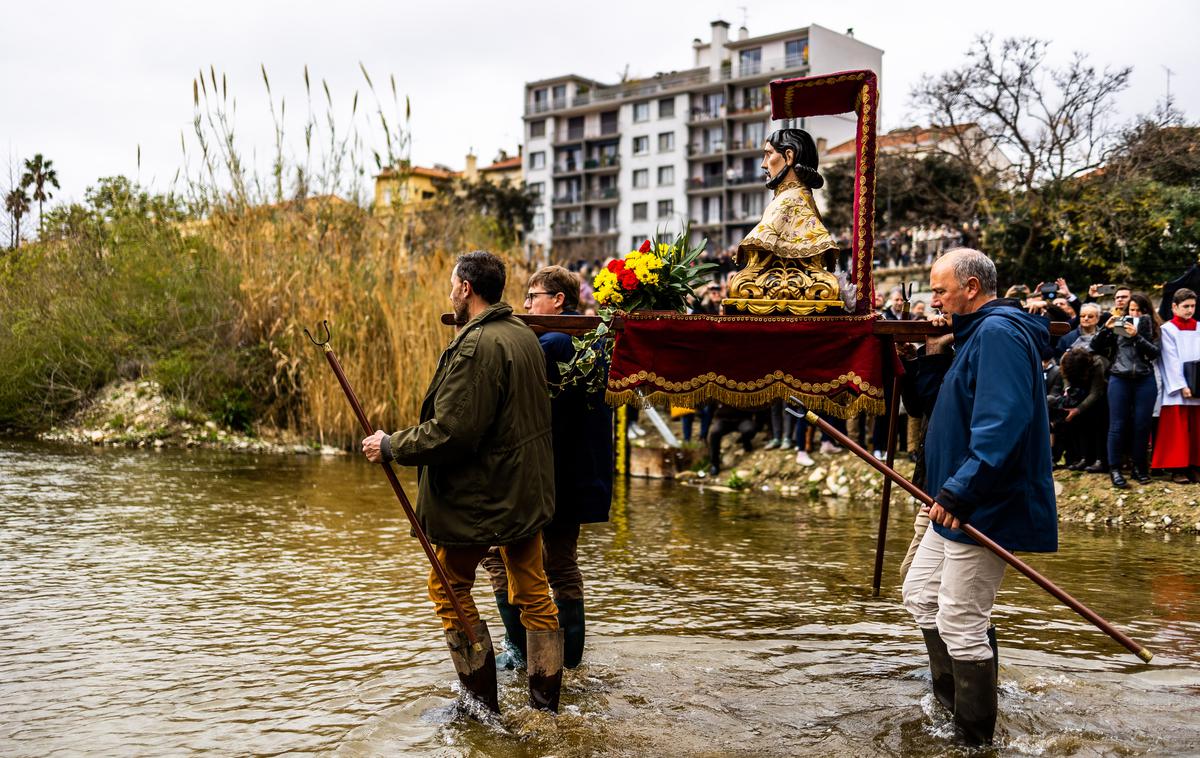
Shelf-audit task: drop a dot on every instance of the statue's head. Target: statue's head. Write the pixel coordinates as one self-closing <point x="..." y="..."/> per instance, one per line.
<point x="791" y="154"/>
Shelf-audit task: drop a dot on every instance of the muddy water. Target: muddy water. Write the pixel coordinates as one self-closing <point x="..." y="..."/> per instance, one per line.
<point x="170" y="603"/>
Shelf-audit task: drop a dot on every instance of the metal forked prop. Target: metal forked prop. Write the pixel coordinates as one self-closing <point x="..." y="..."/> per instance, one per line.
<point x="438" y="569"/>
<point x="975" y="534"/>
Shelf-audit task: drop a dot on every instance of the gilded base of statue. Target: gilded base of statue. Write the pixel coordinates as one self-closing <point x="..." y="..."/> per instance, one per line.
<point x="785" y="286"/>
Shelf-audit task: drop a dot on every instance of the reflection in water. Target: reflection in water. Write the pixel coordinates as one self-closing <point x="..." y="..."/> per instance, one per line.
<point x="158" y="603"/>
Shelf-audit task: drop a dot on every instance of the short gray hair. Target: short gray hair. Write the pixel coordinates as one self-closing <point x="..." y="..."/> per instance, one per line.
<point x="972" y="263"/>
<point x="1091" y="307"/>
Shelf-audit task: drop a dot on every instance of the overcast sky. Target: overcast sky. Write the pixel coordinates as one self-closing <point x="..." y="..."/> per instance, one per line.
<point x="87" y="83"/>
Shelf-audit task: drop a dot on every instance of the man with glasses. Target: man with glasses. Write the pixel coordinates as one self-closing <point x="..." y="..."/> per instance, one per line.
<point x="582" y="432"/>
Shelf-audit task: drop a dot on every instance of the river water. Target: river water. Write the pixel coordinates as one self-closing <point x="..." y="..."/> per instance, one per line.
<point x="165" y="603"/>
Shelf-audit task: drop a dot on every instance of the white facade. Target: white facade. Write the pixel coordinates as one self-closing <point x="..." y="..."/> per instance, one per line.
<point x="615" y="163"/>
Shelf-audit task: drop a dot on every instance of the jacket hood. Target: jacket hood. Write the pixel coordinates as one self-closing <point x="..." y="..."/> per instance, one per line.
<point x="1009" y="309"/>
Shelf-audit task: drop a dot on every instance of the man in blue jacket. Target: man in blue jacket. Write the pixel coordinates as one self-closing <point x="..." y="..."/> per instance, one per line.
<point x="583" y="465"/>
<point x="987" y="458"/>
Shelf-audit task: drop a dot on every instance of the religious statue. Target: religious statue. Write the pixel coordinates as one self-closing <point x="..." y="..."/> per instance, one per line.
<point x="784" y="256"/>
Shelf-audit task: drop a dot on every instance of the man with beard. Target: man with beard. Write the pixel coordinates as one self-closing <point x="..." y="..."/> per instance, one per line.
<point x="486" y="476"/>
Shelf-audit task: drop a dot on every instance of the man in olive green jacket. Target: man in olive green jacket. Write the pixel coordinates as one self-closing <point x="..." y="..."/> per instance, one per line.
<point x="486" y="475"/>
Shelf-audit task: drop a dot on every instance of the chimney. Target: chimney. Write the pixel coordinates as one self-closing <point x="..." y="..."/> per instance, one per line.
<point x="743" y="33"/>
<point x="471" y="173"/>
<point x="720" y="53"/>
<point x="822" y="143"/>
<point x="850" y="32"/>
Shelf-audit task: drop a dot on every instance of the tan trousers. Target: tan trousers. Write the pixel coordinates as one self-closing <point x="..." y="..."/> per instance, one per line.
<point x="527" y="586"/>
<point x="560" y="558"/>
<point x="952" y="587"/>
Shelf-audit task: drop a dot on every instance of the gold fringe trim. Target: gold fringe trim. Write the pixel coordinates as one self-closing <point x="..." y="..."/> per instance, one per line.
<point x="663" y="316"/>
<point x="733" y="385"/>
<point x="861" y="404"/>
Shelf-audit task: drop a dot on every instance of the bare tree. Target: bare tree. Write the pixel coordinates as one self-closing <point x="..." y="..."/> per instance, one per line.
<point x="1053" y="124"/>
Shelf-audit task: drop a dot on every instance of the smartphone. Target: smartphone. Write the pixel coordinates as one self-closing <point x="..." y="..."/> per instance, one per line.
<point x="1106" y="289"/>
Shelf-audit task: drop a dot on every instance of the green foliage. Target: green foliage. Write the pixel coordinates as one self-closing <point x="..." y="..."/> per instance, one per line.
<point x="910" y="190"/>
<point x="736" y="482"/>
<point x="511" y="207"/>
<point x="113" y="280"/>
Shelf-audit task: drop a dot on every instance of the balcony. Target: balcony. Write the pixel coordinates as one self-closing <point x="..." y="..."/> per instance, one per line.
<point x="567" y="136"/>
<point x="567" y="230"/>
<point x="699" y="151"/>
<point x="571" y="198"/>
<point x="794" y="65"/>
<point x="567" y="167"/>
<point x="704" y="115"/>
<point x="750" y="110"/>
<point x="747" y="145"/>
<point x="741" y="180"/>
<point x="706" y="183"/>
<point x="603" y="164"/>
<point x="604" y="195"/>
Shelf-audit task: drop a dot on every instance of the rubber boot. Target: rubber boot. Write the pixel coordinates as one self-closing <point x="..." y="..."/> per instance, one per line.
<point x="991" y="635"/>
<point x="513" y="654"/>
<point x="570" y="620"/>
<point x="545" y="668"/>
<point x="941" y="668"/>
<point x="476" y="668"/>
<point x="975" y="700"/>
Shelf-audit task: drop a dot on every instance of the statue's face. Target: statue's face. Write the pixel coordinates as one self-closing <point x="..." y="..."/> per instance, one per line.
<point x="773" y="161"/>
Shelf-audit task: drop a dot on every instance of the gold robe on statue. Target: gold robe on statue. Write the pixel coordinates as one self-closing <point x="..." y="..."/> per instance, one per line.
<point x="784" y="259"/>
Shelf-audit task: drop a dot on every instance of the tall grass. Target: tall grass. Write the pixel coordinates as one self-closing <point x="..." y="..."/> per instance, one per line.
<point x="280" y="251"/>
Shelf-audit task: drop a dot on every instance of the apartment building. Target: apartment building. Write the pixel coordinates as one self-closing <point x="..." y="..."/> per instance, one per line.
<point x="613" y="163"/>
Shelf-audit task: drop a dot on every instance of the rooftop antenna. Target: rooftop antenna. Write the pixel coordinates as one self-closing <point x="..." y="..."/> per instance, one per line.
<point x="745" y="17"/>
<point x="1170" y="73"/>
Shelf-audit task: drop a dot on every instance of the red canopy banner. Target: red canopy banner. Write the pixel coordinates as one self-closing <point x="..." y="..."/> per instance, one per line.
<point x="834" y="363"/>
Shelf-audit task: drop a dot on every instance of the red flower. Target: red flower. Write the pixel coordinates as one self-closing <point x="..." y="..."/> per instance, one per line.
<point x="628" y="279"/>
<point x="645" y="248"/>
<point x="616" y="266"/>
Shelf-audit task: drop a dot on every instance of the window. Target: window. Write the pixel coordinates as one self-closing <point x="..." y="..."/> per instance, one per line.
<point x="666" y="142"/>
<point x="665" y="208"/>
<point x="537" y="160"/>
<point x="539" y="100"/>
<point x="539" y="220"/>
<point x="641" y="112"/>
<point x="537" y="128"/>
<point x="640" y="211"/>
<point x="641" y="145"/>
<point x="666" y="175"/>
<point x="387" y="197"/>
<point x="666" y="107"/>
<point x="641" y="178"/>
<point x="796" y="53"/>
<point x="636" y="241"/>
<point x="560" y="96"/>
<point x="537" y="189"/>
<point x="750" y="62"/>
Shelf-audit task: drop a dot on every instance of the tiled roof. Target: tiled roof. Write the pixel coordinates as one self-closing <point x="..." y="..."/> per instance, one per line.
<point x="900" y="138"/>
<point x="504" y="165"/>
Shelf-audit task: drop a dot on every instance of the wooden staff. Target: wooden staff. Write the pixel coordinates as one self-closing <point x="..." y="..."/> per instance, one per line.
<point x="885" y="503"/>
<point x="438" y="569"/>
<point x="976" y="535"/>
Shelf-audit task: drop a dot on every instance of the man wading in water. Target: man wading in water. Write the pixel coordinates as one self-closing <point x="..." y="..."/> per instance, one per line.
<point x="486" y="476"/>
<point x="987" y="457"/>
<point x="583" y="468"/>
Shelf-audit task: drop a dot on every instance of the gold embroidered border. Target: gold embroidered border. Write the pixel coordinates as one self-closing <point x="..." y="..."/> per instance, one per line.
<point x="652" y="316"/>
<point x="777" y="377"/>
<point x="790" y="93"/>
<point x="778" y="391"/>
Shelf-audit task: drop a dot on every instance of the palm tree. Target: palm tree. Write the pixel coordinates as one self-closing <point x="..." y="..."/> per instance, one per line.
<point x="40" y="172"/>
<point x="17" y="205"/>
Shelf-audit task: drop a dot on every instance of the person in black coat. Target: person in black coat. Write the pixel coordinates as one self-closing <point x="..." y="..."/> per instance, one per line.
<point x="583" y="465"/>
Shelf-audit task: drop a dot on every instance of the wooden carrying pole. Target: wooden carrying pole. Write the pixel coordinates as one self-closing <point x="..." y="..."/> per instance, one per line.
<point x="438" y="569"/>
<point x="886" y="501"/>
<point x="978" y="536"/>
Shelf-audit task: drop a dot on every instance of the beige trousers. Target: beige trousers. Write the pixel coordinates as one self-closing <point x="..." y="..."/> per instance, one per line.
<point x="951" y="587"/>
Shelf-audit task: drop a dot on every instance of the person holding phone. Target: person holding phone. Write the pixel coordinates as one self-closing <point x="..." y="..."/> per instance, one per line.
<point x="1178" y="444"/>
<point x="1130" y="341"/>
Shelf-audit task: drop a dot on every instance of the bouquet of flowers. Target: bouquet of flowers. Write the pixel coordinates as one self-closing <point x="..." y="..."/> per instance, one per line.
<point x="659" y="275"/>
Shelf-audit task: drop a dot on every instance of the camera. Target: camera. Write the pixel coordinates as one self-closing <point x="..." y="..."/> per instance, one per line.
<point x="1049" y="292"/>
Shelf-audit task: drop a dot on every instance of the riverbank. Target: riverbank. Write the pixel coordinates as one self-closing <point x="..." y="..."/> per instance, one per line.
<point x="1082" y="498"/>
<point x="137" y="414"/>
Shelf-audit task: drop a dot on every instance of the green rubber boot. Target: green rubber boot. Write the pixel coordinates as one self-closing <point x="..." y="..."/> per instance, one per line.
<point x="512" y="656"/>
<point x="975" y="700"/>
<point x="941" y="668"/>
<point x="571" y="621"/>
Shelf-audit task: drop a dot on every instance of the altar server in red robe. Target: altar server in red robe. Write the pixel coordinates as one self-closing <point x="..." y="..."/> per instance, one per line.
<point x="1178" y="444"/>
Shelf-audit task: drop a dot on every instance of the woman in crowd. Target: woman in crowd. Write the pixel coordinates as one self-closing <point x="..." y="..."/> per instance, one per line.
<point x="1079" y="430"/>
<point x="1178" y="443"/>
<point x="1130" y="342"/>
<point x="1082" y="335"/>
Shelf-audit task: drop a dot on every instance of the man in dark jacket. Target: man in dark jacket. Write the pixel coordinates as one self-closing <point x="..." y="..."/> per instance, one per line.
<point x="987" y="457"/>
<point x="486" y="476"/>
<point x="583" y="465"/>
